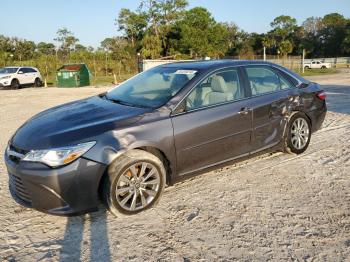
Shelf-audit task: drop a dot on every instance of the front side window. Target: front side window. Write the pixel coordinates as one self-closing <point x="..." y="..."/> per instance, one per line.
<point x="216" y="89"/>
<point x="23" y="70"/>
<point x="152" y="88"/>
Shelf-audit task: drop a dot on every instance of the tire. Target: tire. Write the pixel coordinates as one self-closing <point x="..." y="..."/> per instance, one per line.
<point x="323" y="67"/>
<point x="37" y="82"/>
<point x="15" y="84"/>
<point x="298" y="134"/>
<point x="307" y="67"/>
<point x="121" y="177"/>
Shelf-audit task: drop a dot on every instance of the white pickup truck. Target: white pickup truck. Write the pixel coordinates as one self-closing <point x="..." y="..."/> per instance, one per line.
<point x="317" y="64"/>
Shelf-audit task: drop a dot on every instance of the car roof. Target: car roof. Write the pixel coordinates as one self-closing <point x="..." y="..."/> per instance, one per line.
<point x="20" y="67"/>
<point x="218" y="64"/>
<point x="213" y="64"/>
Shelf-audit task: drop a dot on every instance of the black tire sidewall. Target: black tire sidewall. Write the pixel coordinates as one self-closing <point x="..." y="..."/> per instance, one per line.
<point x="37" y="82"/>
<point x="116" y="170"/>
<point x="289" y="134"/>
<point x="15" y="86"/>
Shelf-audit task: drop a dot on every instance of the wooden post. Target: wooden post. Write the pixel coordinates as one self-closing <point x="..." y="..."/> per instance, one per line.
<point x="303" y="61"/>
<point x="264" y="53"/>
<point x="115" y="79"/>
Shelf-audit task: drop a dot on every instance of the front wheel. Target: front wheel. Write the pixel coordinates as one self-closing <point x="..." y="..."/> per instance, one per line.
<point x="15" y="84"/>
<point x="299" y="133"/>
<point x="134" y="183"/>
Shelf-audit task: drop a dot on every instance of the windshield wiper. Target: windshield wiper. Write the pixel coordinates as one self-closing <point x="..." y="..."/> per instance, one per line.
<point x="117" y="101"/>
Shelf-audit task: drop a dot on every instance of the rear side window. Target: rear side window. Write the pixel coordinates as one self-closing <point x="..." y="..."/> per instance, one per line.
<point x="285" y="84"/>
<point x="31" y="70"/>
<point x="216" y="89"/>
<point x="262" y="80"/>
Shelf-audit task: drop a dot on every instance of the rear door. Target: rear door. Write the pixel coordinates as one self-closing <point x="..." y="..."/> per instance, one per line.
<point x="270" y="101"/>
<point x="32" y="74"/>
<point x="215" y="124"/>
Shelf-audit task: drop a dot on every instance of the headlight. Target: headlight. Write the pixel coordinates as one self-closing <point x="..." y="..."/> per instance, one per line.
<point x="58" y="156"/>
<point x="5" y="77"/>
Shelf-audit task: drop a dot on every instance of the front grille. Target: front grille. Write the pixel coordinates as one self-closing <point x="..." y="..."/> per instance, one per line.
<point x="17" y="187"/>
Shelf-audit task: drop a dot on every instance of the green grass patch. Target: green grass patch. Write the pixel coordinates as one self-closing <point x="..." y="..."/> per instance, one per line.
<point x="317" y="72"/>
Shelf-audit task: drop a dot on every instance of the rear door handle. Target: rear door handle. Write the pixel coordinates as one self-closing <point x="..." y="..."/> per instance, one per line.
<point x="244" y="111"/>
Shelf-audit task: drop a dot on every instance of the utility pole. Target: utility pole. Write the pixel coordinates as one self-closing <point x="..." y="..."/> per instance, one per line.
<point x="139" y="66"/>
<point x="106" y="63"/>
<point x="303" y="61"/>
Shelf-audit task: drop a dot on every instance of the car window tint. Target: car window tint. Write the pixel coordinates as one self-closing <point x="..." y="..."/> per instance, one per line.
<point x="285" y="84"/>
<point x="31" y="70"/>
<point x="216" y="89"/>
<point x="262" y="80"/>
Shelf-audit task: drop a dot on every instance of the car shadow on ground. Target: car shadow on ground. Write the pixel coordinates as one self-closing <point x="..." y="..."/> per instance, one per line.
<point x="73" y="242"/>
<point x="338" y="98"/>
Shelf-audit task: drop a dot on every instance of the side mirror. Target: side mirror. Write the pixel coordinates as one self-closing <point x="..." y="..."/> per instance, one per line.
<point x="20" y="72"/>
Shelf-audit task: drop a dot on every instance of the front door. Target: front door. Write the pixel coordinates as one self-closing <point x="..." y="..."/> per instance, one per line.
<point x="22" y="76"/>
<point x="216" y="125"/>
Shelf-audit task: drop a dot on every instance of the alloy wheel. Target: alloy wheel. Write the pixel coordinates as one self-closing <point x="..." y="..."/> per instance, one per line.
<point x="300" y="133"/>
<point x="138" y="186"/>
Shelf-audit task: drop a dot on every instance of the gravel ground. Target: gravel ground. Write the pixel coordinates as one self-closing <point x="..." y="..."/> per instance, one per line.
<point x="272" y="207"/>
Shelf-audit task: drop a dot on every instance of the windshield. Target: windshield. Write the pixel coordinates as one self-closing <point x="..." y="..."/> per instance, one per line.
<point x="152" y="88"/>
<point x="8" y="70"/>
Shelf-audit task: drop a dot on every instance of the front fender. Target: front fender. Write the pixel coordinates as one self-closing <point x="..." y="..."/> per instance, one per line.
<point x="114" y="143"/>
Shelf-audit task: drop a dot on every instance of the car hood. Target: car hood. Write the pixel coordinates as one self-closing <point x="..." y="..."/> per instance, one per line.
<point x="74" y="123"/>
<point x="2" y="75"/>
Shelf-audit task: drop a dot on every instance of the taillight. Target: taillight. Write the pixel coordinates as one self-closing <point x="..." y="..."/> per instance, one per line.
<point x="321" y="95"/>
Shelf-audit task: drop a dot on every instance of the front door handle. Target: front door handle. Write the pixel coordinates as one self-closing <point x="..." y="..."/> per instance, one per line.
<point x="244" y="111"/>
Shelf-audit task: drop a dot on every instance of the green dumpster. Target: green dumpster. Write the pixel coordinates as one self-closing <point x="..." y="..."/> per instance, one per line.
<point x="73" y="75"/>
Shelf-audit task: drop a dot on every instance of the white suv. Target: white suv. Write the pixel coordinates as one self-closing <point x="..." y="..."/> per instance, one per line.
<point x="15" y="77"/>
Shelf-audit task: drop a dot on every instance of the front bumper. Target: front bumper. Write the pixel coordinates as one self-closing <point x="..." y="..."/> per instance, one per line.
<point x="69" y="190"/>
<point x="5" y="83"/>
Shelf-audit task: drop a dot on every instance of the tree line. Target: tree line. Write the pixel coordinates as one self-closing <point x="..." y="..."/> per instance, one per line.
<point x="168" y="28"/>
<point x="161" y="28"/>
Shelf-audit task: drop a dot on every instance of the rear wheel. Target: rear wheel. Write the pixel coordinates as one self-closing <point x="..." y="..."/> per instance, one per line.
<point x="307" y="67"/>
<point x="299" y="133"/>
<point x="323" y="67"/>
<point x="37" y="82"/>
<point x="15" y="84"/>
<point x="134" y="183"/>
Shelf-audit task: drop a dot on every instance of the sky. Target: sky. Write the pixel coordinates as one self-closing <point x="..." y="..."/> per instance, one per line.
<point x="91" y="21"/>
